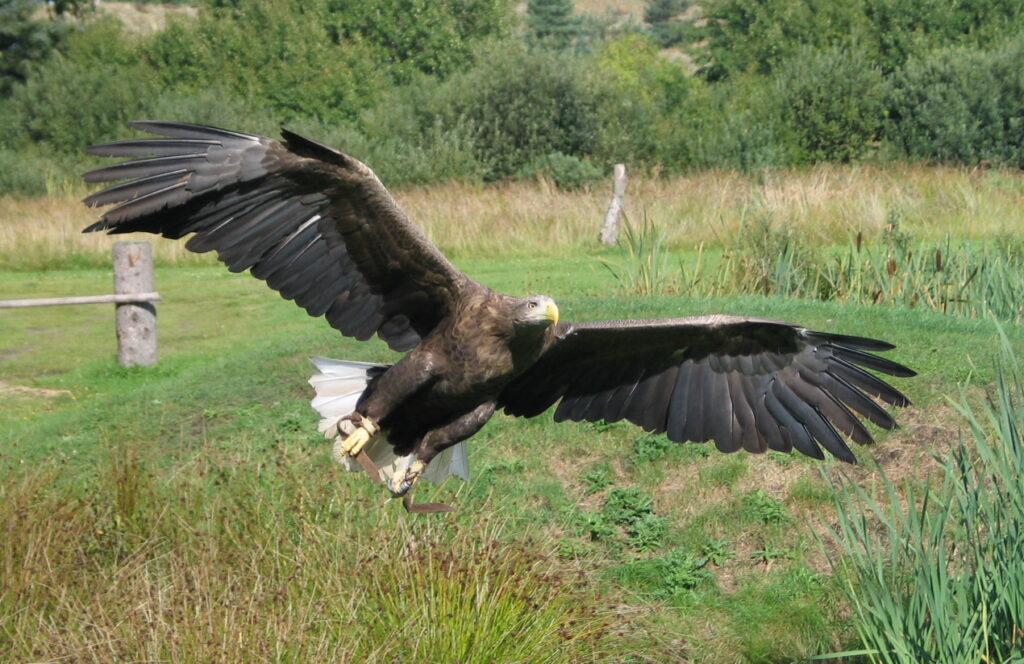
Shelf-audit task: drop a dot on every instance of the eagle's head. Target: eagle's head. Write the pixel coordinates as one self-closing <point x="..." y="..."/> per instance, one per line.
<point x="535" y="311"/>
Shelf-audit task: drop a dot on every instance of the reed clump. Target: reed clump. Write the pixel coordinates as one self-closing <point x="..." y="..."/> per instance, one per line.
<point x="936" y="574"/>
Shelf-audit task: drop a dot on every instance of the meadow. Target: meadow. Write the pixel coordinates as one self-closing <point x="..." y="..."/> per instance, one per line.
<point x="190" y="512"/>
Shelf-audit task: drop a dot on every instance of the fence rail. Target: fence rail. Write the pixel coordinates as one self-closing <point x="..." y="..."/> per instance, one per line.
<point x="84" y="299"/>
<point x="134" y="296"/>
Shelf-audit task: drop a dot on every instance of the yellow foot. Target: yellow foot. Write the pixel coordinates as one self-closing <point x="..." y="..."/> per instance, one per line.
<point x="403" y="478"/>
<point x="353" y="435"/>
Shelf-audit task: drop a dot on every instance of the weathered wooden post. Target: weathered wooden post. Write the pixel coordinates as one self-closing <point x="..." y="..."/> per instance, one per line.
<point x="610" y="230"/>
<point x="136" y="321"/>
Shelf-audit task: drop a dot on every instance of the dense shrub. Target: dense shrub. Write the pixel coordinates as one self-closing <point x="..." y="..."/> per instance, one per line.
<point x="896" y="30"/>
<point x="732" y="126"/>
<point x="25" y="173"/>
<point x="960" y="106"/>
<point x="642" y="97"/>
<point x="24" y="40"/>
<point x="831" y="102"/>
<point x="755" y="37"/>
<point x="518" y="103"/>
<point x="280" y="54"/>
<point x="427" y="36"/>
<point x="66" y="107"/>
<point x="566" y="171"/>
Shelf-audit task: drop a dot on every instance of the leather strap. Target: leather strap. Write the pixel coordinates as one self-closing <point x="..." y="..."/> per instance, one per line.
<point x="424" y="508"/>
<point x="369" y="466"/>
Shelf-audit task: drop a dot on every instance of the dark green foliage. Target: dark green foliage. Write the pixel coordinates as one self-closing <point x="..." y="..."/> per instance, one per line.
<point x="663" y="18"/>
<point x="650" y="447"/>
<point x="26" y="173"/>
<point x="427" y="36"/>
<point x="567" y="172"/>
<point x="625" y="505"/>
<point x="758" y="36"/>
<point x="763" y="508"/>
<point x="899" y="30"/>
<point x="67" y="106"/>
<point x="755" y="37"/>
<point x="282" y="53"/>
<point x="551" y="22"/>
<point x="960" y="106"/>
<point x="25" y="39"/>
<point x="830" y="102"/>
<point x="517" y="103"/>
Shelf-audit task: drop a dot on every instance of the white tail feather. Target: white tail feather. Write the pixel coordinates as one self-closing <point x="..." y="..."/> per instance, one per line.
<point x="338" y="387"/>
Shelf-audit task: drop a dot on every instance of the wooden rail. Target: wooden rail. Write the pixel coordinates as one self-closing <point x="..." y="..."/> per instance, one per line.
<point x="84" y="299"/>
<point x="134" y="296"/>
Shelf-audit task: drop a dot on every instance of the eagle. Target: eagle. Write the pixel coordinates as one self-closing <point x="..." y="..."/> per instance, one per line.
<point x="320" y="228"/>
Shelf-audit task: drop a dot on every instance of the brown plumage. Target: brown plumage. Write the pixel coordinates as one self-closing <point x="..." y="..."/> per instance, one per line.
<point x="320" y="228"/>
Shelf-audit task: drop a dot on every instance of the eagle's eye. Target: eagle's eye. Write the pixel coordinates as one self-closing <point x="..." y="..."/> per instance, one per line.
<point x="533" y="304"/>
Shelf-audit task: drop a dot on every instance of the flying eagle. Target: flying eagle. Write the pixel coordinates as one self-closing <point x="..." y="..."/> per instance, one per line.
<point x="321" y="229"/>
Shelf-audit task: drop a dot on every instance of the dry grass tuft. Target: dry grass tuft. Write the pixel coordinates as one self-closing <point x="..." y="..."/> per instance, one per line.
<point x="259" y="563"/>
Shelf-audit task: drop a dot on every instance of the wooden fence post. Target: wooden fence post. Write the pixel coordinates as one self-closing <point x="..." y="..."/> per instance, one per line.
<point x="610" y="230"/>
<point x="136" y="321"/>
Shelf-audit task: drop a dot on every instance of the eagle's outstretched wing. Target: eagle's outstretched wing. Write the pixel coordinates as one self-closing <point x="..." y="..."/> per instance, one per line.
<point x="745" y="383"/>
<point x="315" y="224"/>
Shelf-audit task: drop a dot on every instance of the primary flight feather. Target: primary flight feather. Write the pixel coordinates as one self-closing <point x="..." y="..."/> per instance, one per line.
<point x="321" y="229"/>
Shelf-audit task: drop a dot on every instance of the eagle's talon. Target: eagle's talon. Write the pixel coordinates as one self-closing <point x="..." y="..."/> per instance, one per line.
<point x="403" y="479"/>
<point x="353" y="435"/>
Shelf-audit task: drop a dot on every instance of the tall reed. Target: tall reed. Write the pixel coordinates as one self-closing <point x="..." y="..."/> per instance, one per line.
<point x="938" y="575"/>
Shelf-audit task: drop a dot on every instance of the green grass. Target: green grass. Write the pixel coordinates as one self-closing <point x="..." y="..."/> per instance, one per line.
<point x="150" y="513"/>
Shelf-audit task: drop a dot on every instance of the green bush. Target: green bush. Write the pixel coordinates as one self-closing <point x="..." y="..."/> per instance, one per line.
<point x="423" y="36"/>
<point x="960" y="106"/>
<point x="733" y="124"/>
<point x="280" y="55"/>
<point x="25" y="38"/>
<point x="24" y="173"/>
<point x="518" y="103"/>
<point x="831" y="102"/>
<point x="79" y="97"/>
<point x="642" y="98"/>
<point x="567" y="172"/>
<point x="756" y="37"/>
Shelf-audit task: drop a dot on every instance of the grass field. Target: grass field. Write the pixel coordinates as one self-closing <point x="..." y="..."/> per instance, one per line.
<point x="828" y="205"/>
<point x="190" y="512"/>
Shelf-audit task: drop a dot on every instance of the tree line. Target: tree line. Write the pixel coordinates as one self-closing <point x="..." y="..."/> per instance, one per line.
<point x="428" y="90"/>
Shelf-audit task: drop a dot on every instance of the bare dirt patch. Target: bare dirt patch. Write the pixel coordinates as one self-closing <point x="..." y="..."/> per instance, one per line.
<point x="24" y="390"/>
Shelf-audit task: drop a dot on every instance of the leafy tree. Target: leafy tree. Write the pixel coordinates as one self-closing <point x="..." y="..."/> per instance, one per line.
<point x="279" y="55"/>
<point x="552" y="22"/>
<point x="429" y="36"/>
<point x="663" y="18"/>
<point x="831" y="102"/>
<point x="960" y="105"/>
<point x="755" y="36"/>
<point x="24" y="40"/>
<point x="642" y="97"/>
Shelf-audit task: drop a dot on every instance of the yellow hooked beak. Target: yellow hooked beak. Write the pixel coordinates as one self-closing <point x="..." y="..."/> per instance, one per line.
<point x="546" y="310"/>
